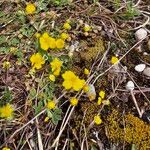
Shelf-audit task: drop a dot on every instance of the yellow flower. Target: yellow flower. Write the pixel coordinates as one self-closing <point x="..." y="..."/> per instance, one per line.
<point x="6" y="111"/>
<point x="51" y="104"/>
<point x="86" y="71"/>
<point x="46" y="119"/>
<point x="86" y="88"/>
<point x="56" y="66"/>
<point x="52" y="77"/>
<point x="87" y="28"/>
<point x="47" y="42"/>
<point x="72" y="81"/>
<point x="99" y="101"/>
<point x="6" y="65"/>
<point x="37" y="35"/>
<point x="37" y="61"/>
<point x="5" y="148"/>
<point x="114" y="60"/>
<point x="91" y="97"/>
<point x="64" y="36"/>
<point x="52" y="43"/>
<point x="97" y="120"/>
<point x="73" y="101"/>
<point x="102" y="94"/>
<point x="106" y="102"/>
<point x="67" y="26"/>
<point x="60" y="43"/>
<point x="30" y="8"/>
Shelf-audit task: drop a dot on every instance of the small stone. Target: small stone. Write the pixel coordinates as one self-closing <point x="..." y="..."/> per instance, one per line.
<point x="72" y="48"/>
<point x="140" y="34"/>
<point x="145" y="53"/>
<point x="91" y="93"/>
<point x="147" y="71"/>
<point x="130" y="85"/>
<point x="140" y="67"/>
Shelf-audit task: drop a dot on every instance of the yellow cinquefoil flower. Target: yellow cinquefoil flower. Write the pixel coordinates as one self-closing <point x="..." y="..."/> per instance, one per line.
<point x="56" y="66"/>
<point x="67" y="26"/>
<point x="6" y="65"/>
<point x="86" y="88"/>
<point x="114" y="60"/>
<point x="86" y="71"/>
<point x="87" y="28"/>
<point x="72" y="81"/>
<point x="5" y="148"/>
<point x="37" y="35"/>
<point x="60" y="43"/>
<point x="97" y="120"/>
<point x="46" y="119"/>
<point x="99" y="101"/>
<point x="30" y="8"/>
<point x="64" y="36"/>
<point x="47" y="42"/>
<point x="6" y="111"/>
<point x="51" y="104"/>
<point x="52" y="43"/>
<point x="102" y="94"/>
<point x="52" y="77"/>
<point x="37" y="61"/>
<point x="73" y="101"/>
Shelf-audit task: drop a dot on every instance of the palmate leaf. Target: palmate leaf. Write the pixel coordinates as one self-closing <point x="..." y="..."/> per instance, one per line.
<point x="56" y="116"/>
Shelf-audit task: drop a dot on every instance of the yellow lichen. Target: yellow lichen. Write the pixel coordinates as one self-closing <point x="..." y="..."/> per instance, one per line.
<point x="132" y="130"/>
<point x="91" y="111"/>
<point x="90" y="53"/>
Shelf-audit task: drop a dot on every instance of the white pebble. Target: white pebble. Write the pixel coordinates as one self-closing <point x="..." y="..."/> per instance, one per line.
<point x="140" y="34"/>
<point x="147" y="71"/>
<point x="140" y="67"/>
<point x="130" y="85"/>
<point x="72" y="48"/>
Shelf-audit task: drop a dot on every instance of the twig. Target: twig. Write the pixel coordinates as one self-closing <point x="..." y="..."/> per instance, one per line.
<point x="135" y="102"/>
<point x="61" y="131"/>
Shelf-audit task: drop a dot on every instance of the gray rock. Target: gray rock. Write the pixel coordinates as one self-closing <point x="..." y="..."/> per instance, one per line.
<point x="147" y="71"/>
<point x="140" y="34"/>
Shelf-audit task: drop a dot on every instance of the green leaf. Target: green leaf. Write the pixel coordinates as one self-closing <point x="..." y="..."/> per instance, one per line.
<point x="133" y="147"/>
<point x="4" y="50"/>
<point x="49" y="114"/>
<point x="39" y="107"/>
<point x="32" y="93"/>
<point x="27" y="31"/>
<point x="2" y="14"/>
<point x="14" y="42"/>
<point x="57" y="111"/>
<point x="54" y="120"/>
<point x="2" y="39"/>
<point x="56" y="116"/>
<point x="93" y="147"/>
<point x="7" y="96"/>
